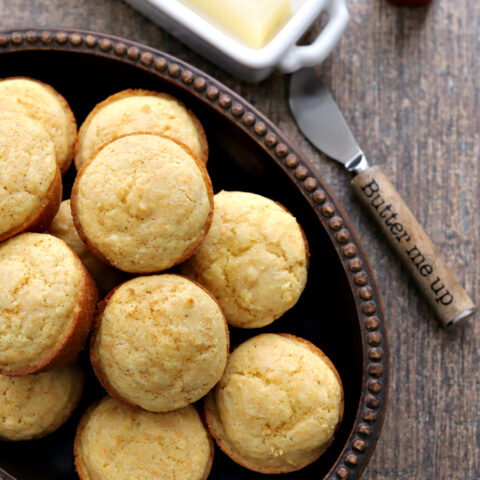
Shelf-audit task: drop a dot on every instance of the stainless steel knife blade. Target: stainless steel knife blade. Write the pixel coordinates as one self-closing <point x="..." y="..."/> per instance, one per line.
<point x="321" y="121"/>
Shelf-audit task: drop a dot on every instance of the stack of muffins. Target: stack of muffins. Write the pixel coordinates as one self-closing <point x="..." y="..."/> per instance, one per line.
<point x="142" y="207"/>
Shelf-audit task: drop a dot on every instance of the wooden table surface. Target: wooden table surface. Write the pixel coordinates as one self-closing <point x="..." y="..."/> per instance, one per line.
<point x="408" y="82"/>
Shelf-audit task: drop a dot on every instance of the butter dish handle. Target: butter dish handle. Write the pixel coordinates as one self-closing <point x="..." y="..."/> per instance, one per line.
<point x="299" y="56"/>
<point x="424" y="262"/>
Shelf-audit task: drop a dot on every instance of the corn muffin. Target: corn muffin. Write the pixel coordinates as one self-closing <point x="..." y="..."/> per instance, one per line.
<point x="134" y="111"/>
<point x="278" y="405"/>
<point x="117" y="442"/>
<point x="31" y="184"/>
<point x="47" y="301"/>
<point x="44" y="104"/>
<point x="36" y="405"/>
<point x="254" y="259"/>
<point x="143" y="203"/>
<point x="160" y="342"/>
<point x="63" y="227"/>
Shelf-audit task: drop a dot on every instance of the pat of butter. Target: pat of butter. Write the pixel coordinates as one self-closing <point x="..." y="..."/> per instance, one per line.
<point x="253" y="21"/>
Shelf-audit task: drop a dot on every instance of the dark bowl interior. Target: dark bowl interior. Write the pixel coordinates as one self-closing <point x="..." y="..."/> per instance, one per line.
<point x="326" y="313"/>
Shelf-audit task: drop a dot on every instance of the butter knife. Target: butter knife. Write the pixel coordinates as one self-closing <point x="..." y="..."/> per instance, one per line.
<point x="321" y="121"/>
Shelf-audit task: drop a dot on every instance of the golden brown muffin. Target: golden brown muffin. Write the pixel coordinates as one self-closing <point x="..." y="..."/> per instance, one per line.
<point x="36" y="405"/>
<point x="278" y="405"/>
<point x="143" y="203"/>
<point x="117" y="442"/>
<point x="44" y="104"/>
<point x="30" y="182"/>
<point x="134" y="111"/>
<point x="63" y="227"/>
<point x="47" y="301"/>
<point x="160" y="342"/>
<point x="254" y="259"/>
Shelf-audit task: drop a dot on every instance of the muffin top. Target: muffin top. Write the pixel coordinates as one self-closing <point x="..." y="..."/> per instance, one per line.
<point x="40" y="288"/>
<point x="27" y="169"/>
<point x="42" y="103"/>
<point x="133" y="111"/>
<point x="63" y="227"/>
<point x="117" y="442"/>
<point x="296" y="388"/>
<point x="161" y="342"/>
<point x="35" y="405"/>
<point x="143" y="203"/>
<point x="253" y="260"/>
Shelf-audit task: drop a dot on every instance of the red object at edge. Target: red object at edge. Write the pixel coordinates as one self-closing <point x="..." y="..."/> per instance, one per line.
<point x="410" y="3"/>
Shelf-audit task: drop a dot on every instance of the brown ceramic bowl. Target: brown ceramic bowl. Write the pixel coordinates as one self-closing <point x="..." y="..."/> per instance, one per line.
<point x="340" y="310"/>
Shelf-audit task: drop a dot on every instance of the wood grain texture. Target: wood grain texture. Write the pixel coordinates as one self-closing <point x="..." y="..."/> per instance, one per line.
<point x="434" y="278"/>
<point x="408" y="83"/>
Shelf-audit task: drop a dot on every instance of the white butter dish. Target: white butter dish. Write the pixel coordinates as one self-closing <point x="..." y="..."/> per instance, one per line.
<point x="209" y="38"/>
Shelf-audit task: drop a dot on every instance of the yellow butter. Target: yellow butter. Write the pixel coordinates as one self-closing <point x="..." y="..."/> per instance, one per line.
<point x="253" y="21"/>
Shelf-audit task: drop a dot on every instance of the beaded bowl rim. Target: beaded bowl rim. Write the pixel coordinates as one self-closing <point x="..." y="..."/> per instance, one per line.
<point x="375" y="369"/>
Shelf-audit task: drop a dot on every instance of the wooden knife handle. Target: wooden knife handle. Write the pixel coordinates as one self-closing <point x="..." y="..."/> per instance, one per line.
<point x="432" y="275"/>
